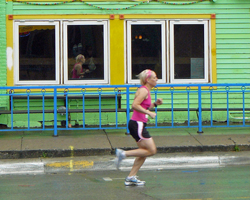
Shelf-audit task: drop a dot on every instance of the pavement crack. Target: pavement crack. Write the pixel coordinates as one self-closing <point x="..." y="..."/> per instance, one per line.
<point x="195" y="139"/>
<point x="232" y="141"/>
<point x="108" y="139"/>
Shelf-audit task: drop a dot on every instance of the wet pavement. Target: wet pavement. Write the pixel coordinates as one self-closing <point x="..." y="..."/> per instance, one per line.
<point x="231" y="182"/>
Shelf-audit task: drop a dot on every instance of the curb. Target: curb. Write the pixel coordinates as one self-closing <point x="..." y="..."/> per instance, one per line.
<point x="56" y="153"/>
<point x="193" y="149"/>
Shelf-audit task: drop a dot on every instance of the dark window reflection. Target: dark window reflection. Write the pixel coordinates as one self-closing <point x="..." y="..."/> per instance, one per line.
<point x="146" y="49"/>
<point x="189" y="51"/>
<point x="36" y="53"/>
<point x="88" y="41"/>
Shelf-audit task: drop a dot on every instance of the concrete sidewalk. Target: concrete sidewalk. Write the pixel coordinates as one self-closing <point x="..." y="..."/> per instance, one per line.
<point x="16" y="145"/>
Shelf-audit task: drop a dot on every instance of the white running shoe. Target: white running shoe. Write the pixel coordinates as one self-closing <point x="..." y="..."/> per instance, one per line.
<point x="119" y="157"/>
<point x="134" y="181"/>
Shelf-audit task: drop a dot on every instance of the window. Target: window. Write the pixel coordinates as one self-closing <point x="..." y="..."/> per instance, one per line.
<point x="45" y="52"/>
<point x="89" y="39"/>
<point x="187" y="51"/>
<point x="146" y="48"/>
<point x="36" y="52"/>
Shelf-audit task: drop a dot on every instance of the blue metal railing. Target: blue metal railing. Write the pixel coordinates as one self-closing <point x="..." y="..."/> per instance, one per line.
<point x="184" y="106"/>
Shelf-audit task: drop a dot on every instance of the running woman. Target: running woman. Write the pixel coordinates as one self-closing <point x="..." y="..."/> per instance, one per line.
<point x="137" y="127"/>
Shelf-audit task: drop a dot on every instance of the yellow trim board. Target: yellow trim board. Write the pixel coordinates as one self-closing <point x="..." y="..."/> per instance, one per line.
<point x="46" y="17"/>
<point x="213" y="51"/>
<point x="9" y="50"/>
<point x="167" y="16"/>
<point x="107" y="16"/>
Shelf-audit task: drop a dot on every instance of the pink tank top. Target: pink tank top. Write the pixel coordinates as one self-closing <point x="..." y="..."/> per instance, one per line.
<point x="138" y="116"/>
<point x="74" y="75"/>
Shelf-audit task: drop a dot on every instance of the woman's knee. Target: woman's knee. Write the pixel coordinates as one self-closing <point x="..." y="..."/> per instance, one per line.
<point x="149" y="145"/>
<point x="153" y="151"/>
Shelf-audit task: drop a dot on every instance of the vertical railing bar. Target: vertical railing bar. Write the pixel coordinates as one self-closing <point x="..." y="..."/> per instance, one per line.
<point x="67" y="111"/>
<point x="172" y="108"/>
<point x="127" y="107"/>
<point x="116" y="105"/>
<point x="200" y="110"/>
<point x="100" y="110"/>
<point x="156" y="117"/>
<point x="83" y="110"/>
<point x="211" y="108"/>
<point x="12" y="110"/>
<point x="243" y="102"/>
<point x="55" y="112"/>
<point x="188" y="101"/>
<point x="227" y="108"/>
<point x="43" y="111"/>
<point x="28" y="111"/>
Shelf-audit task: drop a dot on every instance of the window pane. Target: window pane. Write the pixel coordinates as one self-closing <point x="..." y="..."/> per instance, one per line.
<point x="36" y="53"/>
<point x="146" y="49"/>
<point x="88" y="41"/>
<point x="189" y="51"/>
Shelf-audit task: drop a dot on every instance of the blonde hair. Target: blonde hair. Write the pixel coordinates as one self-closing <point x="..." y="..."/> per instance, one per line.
<point x="80" y="58"/>
<point x="144" y="75"/>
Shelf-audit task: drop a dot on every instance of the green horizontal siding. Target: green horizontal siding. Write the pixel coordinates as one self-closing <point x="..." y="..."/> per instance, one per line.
<point x="242" y="50"/>
<point x="235" y="41"/>
<point x="231" y="66"/>
<point x="235" y="61"/>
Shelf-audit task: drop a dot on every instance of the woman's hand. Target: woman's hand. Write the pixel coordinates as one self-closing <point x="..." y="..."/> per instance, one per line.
<point x="152" y="114"/>
<point x="158" y="101"/>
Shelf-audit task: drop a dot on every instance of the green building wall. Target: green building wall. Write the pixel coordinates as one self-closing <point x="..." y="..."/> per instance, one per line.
<point x="3" y="70"/>
<point x="2" y="45"/>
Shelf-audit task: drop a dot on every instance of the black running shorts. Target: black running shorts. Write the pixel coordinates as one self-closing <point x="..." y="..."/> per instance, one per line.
<point x="138" y="130"/>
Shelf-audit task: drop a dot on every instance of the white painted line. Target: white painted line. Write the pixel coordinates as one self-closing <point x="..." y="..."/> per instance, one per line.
<point x="177" y="160"/>
<point x="119" y="178"/>
<point x="107" y="179"/>
<point x="22" y="168"/>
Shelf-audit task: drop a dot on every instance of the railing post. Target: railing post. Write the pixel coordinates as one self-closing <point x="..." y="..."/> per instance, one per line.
<point x="100" y="107"/>
<point x="55" y="112"/>
<point x="243" y="104"/>
<point x="200" y="111"/>
<point x="128" y="108"/>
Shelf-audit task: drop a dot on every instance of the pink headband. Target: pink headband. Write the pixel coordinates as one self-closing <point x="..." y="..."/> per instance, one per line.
<point x="149" y="72"/>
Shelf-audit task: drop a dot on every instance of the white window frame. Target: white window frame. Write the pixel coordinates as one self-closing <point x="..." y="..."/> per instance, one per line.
<point x="16" y="51"/>
<point x="206" y="51"/>
<point x="105" y="53"/>
<point x="129" y="52"/>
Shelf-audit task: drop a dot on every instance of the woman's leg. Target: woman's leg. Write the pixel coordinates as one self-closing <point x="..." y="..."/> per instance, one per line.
<point x="146" y="148"/>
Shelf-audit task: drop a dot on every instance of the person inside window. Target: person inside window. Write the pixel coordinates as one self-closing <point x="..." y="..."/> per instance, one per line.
<point x="78" y="71"/>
